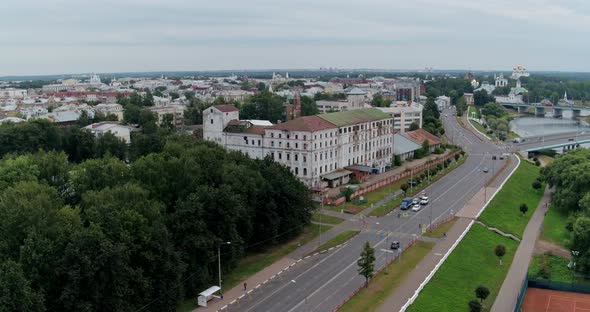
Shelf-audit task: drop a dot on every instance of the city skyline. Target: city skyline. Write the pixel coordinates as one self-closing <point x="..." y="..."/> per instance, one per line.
<point x="66" y="36"/>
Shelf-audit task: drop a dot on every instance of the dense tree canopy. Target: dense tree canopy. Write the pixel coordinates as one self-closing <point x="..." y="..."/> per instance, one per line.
<point x="264" y="105"/>
<point x="103" y="235"/>
<point x="308" y="106"/>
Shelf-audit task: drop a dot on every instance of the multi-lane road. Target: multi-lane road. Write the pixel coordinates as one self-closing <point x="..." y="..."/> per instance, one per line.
<point x="322" y="282"/>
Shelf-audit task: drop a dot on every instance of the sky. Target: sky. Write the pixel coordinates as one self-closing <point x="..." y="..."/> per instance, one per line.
<point x="80" y="36"/>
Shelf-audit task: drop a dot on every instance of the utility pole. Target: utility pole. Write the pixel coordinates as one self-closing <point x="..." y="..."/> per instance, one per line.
<point x="219" y="263"/>
<point x="321" y="209"/>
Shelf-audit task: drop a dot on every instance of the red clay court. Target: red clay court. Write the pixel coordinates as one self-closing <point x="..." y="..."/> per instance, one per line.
<point x="543" y="300"/>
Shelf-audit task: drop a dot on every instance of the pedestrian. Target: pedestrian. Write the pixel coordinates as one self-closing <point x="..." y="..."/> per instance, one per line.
<point x="399" y="215"/>
<point x="445" y="234"/>
<point x="245" y="286"/>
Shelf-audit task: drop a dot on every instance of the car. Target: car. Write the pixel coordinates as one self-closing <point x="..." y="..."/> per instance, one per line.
<point x="424" y="197"/>
<point x="493" y="157"/>
<point x="570" y="139"/>
<point x="394" y="245"/>
<point x="501" y="157"/>
<point x="424" y="202"/>
<point x="416" y="201"/>
<point x="416" y="207"/>
<point x="485" y="169"/>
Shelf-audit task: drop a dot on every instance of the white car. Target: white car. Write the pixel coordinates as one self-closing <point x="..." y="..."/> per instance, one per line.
<point x="424" y="201"/>
<point x="416" y="201"/>
<point x="424" y="197"/>
<point x="416" y="207"/>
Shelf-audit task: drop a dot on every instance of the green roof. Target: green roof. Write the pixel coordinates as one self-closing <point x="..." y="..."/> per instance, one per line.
<point x="354" y="117"/>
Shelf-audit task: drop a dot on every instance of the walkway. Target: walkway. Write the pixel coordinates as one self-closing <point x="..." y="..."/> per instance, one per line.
<point x="378" y="177"/>
<point x="508" y="295"/>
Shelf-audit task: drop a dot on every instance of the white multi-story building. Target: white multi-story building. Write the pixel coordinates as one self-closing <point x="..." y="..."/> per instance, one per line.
<point x="119" y="131"/>
<point x="404" y="114"/>
<point x="314" y="147"/>
<point x="12" y="93"/>
<point x="110" y="109"/>
<point x="442" y="102"/>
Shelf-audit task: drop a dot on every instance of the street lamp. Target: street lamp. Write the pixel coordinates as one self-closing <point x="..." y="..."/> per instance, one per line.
<point x="219" y="263"/>
<point x="575" y="253"/>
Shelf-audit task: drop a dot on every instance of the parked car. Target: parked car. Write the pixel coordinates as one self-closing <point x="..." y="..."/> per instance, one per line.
<point x="423" y="196"/>
<point x="493" y="157"/>
<point x="406" y="203"/>
<point x="485" y="169"/>
<point x="424" y="201"/>
<point x="394" y="245"/>
<point x="416" y="201"/>
<point x="570" y="139"/>
<point x="416" y="207"/>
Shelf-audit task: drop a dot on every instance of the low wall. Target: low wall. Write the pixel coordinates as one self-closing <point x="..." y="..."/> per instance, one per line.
<point x="392" y="179"/>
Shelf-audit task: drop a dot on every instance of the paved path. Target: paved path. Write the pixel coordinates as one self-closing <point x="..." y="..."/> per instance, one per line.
<point x="508" y="294"/>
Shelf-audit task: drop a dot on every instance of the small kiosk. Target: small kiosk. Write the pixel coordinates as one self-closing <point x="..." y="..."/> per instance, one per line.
<point x="207" y="295"/>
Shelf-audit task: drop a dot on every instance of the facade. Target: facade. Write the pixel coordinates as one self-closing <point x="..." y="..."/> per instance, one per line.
<point x="468" y="98"/>
<point x="500" y="81"/>
<point x="12" y="93"/>
<point x="177" y="112"/>
<point x="404" y="114"/>
<point x="110" y="109"/>
<point x="332" y="106"/>
<point x="100" y="128"/>
<point x="404" y="147"/>
<point x="421" y="135"/>
<point x="313" y="147"/>
<point x="442" y="102"/>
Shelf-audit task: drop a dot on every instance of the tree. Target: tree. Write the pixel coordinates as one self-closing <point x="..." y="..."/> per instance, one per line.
<point x="109" y="144"/>
<point x="523" y="208"/>
<point x="414" y="126"/>
<point x="482" y="97"/>
<point x="500" y="251"/>
<point x="16" y="293"/>
<point x="475" y="306"/>
<point x="397" y="161"/>
<point x="537" y="184"/>
<point x="404" y="187"/>
<point x="494" y="109"/>
<point x="426" y="147"/>
<point x="308" y="106"/>
<point x="347" y="192"/>
<point x="482" y="292"/>
<point x="264" y="105"/>
<point x="366" y="263"/>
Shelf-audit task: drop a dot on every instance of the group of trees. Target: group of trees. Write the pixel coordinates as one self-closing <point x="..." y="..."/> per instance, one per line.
<point x="569" y="175"/>
<point x="379" y="101"/>
<point x="497" y="120"/>
<point x="106" y="235"/>
<point x="451" y="87"/>
<point x="431" y="118"/>
<point x="553" y="88"/>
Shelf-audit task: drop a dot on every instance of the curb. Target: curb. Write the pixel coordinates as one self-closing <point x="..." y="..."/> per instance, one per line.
<point x="279" y="273"/>
<point x="456" y="243"/>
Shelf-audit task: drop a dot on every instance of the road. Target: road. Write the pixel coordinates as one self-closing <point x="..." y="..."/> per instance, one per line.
<point x="549" y="140"/>
<point x="323" y="282"/>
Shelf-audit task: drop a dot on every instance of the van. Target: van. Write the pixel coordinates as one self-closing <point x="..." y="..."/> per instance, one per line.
<point x="406" y="203"/>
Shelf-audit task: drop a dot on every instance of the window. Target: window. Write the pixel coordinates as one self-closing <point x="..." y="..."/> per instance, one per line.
<point x="253" y="142"/>
<point x="259" y="143"/>
<point x="272" y="155"/>
<point x="280" y="156"/>
<point x="305" y="146"/>
<point x="304" y="158"/>
<point x="279" y="135"/>
<point x="288" y="156"/>
<point x="287" y="135"/>
<point x="320" y="170"/>
<point x="272" y="135"/>
<point x="272" y="143"/>
<point x="287" y="144"/>
<point x="280" y="143"/>
<point x="305" y="137"/>
<point x="211" y="121"/>
<point x="305" y="171"/>
<point x="296" y="170"/>
<point x="296" y="137"/>
<point x="296" y="145"/>
<point x="316" y="157"/>
<point x="321" y="156"/>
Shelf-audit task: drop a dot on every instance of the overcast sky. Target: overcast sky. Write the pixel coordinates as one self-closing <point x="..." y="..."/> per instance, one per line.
<point x="75" y="36"/>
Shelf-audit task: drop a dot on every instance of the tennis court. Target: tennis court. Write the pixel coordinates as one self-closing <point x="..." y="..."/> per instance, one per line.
<point x="543" y="300"/>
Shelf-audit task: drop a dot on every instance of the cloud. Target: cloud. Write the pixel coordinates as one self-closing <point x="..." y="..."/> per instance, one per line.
<point x="181" y="34"/>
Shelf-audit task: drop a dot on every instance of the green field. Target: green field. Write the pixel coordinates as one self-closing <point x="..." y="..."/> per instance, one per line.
<point x="471" y="264"/>
<point x="370" y="298"/>
<point x="503" y="212"/>
<point x="554" y="227"/>
<point x="255" y="263"/>
<point x="371" y="198"/>
<point x="336" y="240"/>
<point x="322" y="218"/>
<point x="440" y="230"/>
<point x="557" y="265"/>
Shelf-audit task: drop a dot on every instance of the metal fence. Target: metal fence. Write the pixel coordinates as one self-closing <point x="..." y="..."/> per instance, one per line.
<point x="562" y="286"/>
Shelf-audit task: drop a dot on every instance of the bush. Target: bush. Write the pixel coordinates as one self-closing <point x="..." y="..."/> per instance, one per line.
<point x="544" y="268"/>
<point x="475" y="306"/>
<point x="347" y="192"/>
<point x="457" y="156"/>
<point x="537" y="163"/>
<point x="537" y="184"/>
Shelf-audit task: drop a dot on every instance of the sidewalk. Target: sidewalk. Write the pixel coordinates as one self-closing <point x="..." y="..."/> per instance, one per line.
<point x="378" y="177"/>
<point x="411" y="282"/>
<point x="270" y="271"/>
<point x="508" y="295"/>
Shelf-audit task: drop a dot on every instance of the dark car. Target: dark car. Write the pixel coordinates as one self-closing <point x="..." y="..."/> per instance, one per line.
<point x="570" y="140"/>
<point x="394" y="245"/>
<point x="494" y="157"/>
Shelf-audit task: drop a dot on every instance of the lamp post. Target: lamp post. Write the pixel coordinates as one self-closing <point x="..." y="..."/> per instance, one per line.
<point x="575" y="253"/>
<point x="219" y="263"/>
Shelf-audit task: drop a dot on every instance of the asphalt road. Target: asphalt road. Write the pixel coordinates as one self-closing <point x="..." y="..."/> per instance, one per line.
<point x="323" y="282"/>
<point x="539" y="141"/>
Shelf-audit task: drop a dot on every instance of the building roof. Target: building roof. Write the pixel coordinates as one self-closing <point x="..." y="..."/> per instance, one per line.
<point x="353" y="117"/>
<point x="421" y="135"/>
<point x="257" y="122"/>
<point x="361" y="168"/>
<point x="256" y="130"/>
<point x="306" y="123"/>
<point x="402" y="145"/>
<point x="336" y="174"/>
<point x="226" y="108"/>
<point x="356" y="91"/>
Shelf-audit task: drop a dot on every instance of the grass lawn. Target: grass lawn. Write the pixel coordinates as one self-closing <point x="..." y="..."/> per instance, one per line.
<point x="391" y="205"/>
<point x="370" y="198"/>
<point x="554" y="226"/>
<point x="322" y="218"/>
<point x="557" y="265"/>
<point x="443" y="228"/>
<point x="336" y="240"/>
<point x="370" y="298"/>
<point x="503" y="212"/>
<point x="254" y="263"/>
<point x="471" y="264"/>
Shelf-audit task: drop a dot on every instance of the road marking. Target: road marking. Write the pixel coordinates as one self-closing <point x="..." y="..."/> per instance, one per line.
<point x="438" y="254"/>
<point x="386" y="250"/>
